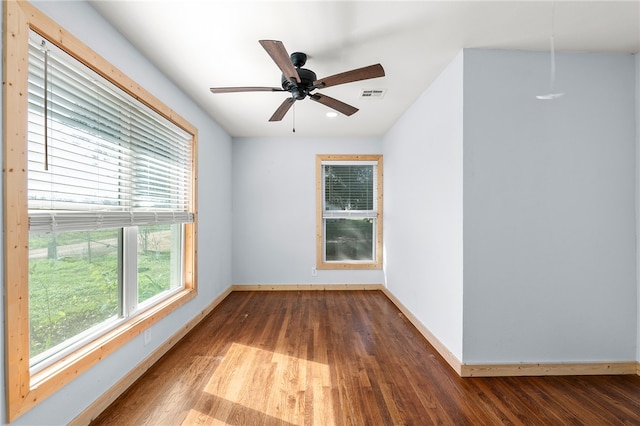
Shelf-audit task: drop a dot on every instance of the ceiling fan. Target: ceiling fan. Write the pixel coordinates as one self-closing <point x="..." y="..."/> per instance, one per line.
<point x="301" y="82"/>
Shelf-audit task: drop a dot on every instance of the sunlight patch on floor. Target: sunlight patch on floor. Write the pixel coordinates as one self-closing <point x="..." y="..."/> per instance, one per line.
<point x="254" y="386"/>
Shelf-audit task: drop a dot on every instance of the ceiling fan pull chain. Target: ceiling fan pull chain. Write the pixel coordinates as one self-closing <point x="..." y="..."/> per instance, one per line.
<point x="294" y="118"/>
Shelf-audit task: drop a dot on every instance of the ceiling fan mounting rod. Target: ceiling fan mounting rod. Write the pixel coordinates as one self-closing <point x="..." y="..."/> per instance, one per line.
<point x="298" y="59"/>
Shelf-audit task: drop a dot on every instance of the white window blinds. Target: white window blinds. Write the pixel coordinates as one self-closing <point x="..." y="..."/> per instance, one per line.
<point x="96" y="156"/>
<point x="349" y="189"/>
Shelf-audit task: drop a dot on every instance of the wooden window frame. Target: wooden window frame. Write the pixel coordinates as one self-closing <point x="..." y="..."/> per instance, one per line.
<point x="23" y="389"/>
<point x="320" y="262"/>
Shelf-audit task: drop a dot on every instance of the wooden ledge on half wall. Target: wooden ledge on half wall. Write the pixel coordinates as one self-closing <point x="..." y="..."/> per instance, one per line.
<point x="551" y="369"/>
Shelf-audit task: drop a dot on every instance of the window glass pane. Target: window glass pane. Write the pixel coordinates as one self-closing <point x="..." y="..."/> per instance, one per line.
<point x="159" y="259"/>
<point x="349" y="239"/>
<point x="349" y="187"/>
<point x="73" y="285"/>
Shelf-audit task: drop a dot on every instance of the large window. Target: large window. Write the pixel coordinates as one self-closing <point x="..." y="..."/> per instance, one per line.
<point x="100" y="218"/>
<point x="349" y="218"/>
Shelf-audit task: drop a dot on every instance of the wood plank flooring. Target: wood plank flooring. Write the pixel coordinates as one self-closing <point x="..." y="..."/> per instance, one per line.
<point x="345" y="358"/>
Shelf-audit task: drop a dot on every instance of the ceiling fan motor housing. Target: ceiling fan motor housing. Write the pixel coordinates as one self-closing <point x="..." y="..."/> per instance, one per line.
<point x="307" y="77"/>
<point x="302" y="89"/>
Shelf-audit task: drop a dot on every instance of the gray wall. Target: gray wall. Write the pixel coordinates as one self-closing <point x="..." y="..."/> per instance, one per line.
<point x="274" y="210"/>
<point x="214" y="197"/>
<point x="549" y="209"/>
<point x="423" y="207"/>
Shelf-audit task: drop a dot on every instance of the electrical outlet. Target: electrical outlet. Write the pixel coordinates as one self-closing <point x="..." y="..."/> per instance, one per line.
<point x="147" y="337"/>
<point x="314" y="271"/>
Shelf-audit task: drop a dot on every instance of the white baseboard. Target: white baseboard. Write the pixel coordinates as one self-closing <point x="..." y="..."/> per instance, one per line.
<point x="107" y="398"/>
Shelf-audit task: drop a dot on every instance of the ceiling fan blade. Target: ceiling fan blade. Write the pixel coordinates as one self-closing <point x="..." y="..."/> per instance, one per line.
<point x="364" y="73"/>
<point x="245" y="89"/>
<point x="282" y="109"/>
<point x="339" y="106"/>
<point x="279" y="54"/>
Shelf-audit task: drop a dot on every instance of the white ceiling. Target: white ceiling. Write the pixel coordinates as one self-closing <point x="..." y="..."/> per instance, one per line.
<point x="203" y="44"/>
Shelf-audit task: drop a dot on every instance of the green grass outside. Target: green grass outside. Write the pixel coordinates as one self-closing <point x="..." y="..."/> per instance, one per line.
<point x="68" y="295"/>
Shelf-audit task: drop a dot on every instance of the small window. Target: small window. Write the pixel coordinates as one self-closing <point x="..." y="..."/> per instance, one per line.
<point x="349" y="218"/>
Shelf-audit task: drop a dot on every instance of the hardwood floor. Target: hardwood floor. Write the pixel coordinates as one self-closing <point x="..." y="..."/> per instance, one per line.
<point x="345" y="358"/>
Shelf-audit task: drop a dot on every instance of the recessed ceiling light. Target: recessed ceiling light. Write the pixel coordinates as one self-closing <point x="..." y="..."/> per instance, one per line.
<point x="332" y="114"/>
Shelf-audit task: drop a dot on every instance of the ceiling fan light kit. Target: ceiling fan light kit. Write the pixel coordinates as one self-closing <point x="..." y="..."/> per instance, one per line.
<point x="550" y="96"/>
<point x="301" y="82"/>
